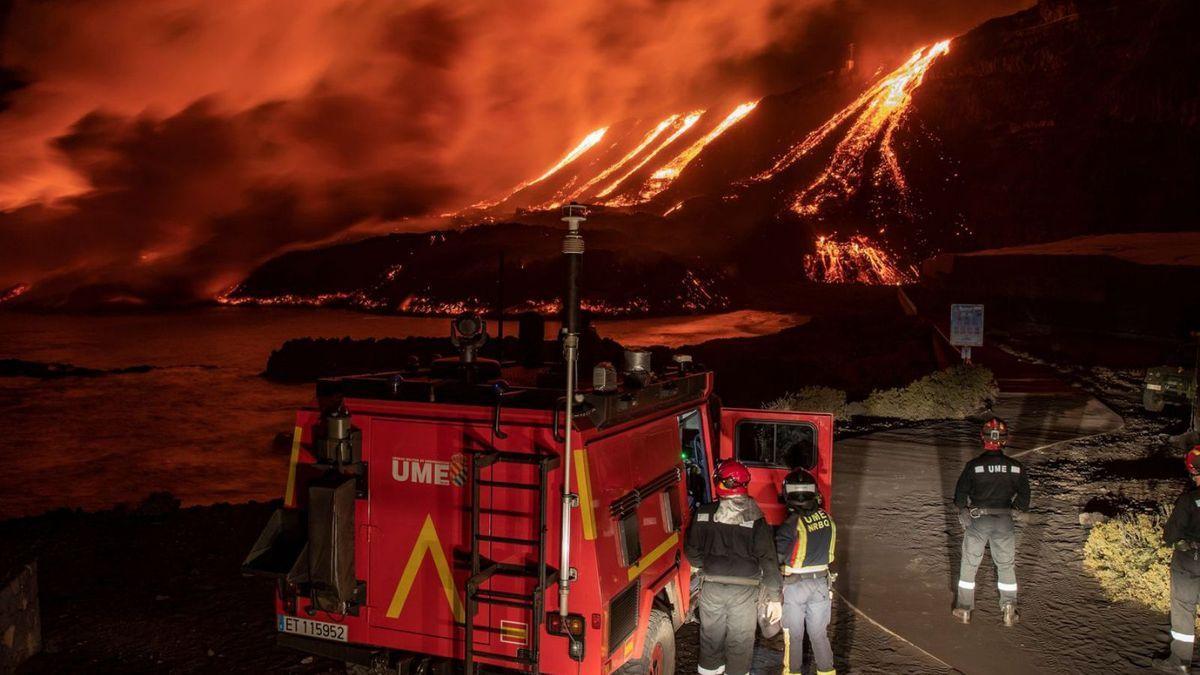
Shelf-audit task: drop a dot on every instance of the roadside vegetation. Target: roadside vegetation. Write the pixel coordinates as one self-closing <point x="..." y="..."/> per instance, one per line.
<point x="812" y="399"/>
<point x="953" y="393"/>
<point x="1129" y="558"/>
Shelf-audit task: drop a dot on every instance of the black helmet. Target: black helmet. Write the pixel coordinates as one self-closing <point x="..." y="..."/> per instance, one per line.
<point x="800" y="491"/>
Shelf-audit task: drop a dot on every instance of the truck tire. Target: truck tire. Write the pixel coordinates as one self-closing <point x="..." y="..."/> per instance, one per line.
<point x="1153" y="401"/>
<point x="658" y="652"/>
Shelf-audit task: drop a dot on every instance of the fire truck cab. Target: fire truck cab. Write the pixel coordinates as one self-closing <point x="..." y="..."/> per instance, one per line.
<point x="421" y="529"/>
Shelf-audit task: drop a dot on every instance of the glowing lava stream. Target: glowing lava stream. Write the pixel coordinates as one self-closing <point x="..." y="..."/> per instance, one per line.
<point x="876" y="114"/>
<point x="567" y="194"/>
<point x="856" y="260"/>
<point x="686" y="124"/>
<point x="667" y="174"/>
<point x="584" y="145"/>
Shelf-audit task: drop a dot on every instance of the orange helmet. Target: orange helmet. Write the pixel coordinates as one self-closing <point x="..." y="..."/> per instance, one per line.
<point x="731" y="478"/>
<point x="994" y="434"/>
<point x="1192" y="461"/>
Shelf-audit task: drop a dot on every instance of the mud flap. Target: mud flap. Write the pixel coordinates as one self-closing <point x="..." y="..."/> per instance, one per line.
<point x="279" y="550"/>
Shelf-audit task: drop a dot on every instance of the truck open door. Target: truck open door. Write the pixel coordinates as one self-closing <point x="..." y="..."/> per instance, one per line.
<point x="771" y="443"/>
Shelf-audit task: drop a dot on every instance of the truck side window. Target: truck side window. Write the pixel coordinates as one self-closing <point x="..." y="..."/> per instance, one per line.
<point x="631" y="543"/>
<point x="777" y="444"/>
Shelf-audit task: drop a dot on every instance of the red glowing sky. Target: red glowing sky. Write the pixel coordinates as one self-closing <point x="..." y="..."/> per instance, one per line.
<point x="161" y="148"/>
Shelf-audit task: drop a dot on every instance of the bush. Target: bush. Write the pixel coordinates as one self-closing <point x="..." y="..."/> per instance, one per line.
<point x="1129" y="558"/>
<point x="953" y="393"/>
<point x="812" y="399"/>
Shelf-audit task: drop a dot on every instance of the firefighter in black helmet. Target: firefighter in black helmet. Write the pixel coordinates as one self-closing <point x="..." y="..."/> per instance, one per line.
<point x="805" y="543"/>
<point x="992" y="490"/>
<point x="1182" y="532"/>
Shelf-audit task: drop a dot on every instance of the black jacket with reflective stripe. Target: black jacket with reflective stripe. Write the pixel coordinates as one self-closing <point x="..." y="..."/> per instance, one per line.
<point x="745" y="550"/>
<point x="993" y="480"/>
<point x="1184" y="522"/>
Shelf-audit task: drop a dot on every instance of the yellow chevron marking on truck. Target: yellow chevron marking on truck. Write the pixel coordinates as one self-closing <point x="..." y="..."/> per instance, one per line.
<point x="427" y="541"/>
<point x="652" y="557"/>
<point x="584" y="478"/>
<point x="289" y="496"/>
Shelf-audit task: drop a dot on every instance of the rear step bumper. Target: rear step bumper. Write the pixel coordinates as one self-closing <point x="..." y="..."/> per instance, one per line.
<point x="402" y="663"/>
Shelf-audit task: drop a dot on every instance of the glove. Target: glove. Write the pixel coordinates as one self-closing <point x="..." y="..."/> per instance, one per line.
<point x="774" y="612"/>
<point x="964" y="518"/>
<point x="1023" y="517"/>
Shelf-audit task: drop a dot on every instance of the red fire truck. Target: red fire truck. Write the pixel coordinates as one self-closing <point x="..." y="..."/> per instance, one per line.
<point x="422" y="528"/>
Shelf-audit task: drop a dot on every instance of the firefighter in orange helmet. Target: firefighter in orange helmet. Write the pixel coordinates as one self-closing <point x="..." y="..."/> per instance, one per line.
<point x="1182" y="531"/>
<point x="732" y="547"/>
<point x="992" y="491"/>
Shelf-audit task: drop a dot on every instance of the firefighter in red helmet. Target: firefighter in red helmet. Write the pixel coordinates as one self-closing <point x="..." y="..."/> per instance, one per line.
<point x="732" y="547"/>
<point x="1182" y="532"/>
<point x="992" y="490"/>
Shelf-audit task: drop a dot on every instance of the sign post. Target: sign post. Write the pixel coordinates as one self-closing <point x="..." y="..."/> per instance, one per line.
<point x="966" y="328"/>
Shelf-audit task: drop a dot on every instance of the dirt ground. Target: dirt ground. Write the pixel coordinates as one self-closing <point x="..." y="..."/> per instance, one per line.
<point x="157" y="589"/>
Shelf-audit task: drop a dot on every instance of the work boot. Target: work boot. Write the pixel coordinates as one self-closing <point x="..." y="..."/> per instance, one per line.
<point x="963" y="615"/>
<point x="1010" y="615"/>
<point x="1171" y="664"/>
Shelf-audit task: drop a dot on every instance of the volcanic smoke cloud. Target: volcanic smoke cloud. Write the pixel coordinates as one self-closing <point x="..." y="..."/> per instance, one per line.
<point x="155" y="150"/>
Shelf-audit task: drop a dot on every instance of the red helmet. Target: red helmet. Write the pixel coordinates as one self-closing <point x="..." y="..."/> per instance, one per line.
<point x="994" y="434"/>
<point x="731" y="478"/>
<point x="1192" y="461"/>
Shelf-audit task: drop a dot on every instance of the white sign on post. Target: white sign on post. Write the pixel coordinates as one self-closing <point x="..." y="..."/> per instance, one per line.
<point x="966" y="328"/>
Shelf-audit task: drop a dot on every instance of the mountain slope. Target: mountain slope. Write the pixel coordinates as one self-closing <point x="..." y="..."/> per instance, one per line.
<point x="1072" y="117"/>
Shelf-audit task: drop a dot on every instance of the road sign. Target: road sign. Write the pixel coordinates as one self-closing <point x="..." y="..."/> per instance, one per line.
<point x="966" y="325"/>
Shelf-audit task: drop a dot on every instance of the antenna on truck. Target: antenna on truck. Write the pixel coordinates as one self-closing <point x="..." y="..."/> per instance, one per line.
<point x="573" y="215"/>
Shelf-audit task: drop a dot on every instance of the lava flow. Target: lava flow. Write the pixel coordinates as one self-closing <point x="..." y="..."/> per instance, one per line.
<point x="854" y="261"/>
<point x="584" y="145"/>
<point x="663" y="178"/>
<point x="876" y="115"/>
<point x="683" y="125"/>
<point x="566" y="194"/>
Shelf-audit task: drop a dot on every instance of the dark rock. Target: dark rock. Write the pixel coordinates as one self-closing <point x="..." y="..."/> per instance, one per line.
<point x="20" y="620"/>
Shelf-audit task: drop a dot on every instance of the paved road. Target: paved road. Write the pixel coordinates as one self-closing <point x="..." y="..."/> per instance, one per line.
<point x="899" y="547"/>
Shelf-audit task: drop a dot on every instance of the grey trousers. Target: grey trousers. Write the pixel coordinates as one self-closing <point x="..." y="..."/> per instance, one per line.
<point x="1185" y="594"/>
<point x="806" y="608"/>
<point x="728" y="618"/>
<point x="997" y="532"/>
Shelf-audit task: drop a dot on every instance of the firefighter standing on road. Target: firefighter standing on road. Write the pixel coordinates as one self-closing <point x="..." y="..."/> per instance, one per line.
<point x="731" y="545"/>
<point x="805" y="544"/>
<point x="1182" y="531"/>
<point x="992" y="490"/>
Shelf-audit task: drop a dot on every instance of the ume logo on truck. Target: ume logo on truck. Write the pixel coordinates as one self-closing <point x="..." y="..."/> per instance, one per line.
<point x="429" y="471"/>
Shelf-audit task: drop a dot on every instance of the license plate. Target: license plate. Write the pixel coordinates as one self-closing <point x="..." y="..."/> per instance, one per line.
<point x="1154" y="387"/>
<point x="310" y="628"/>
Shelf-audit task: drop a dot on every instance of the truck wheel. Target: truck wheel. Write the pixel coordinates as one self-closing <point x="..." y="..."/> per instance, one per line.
<point x="1153" y="401"/>
<point x="658" y="654"/>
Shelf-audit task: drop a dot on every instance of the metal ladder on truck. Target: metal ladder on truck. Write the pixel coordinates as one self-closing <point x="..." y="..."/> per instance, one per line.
<point x="483" y="570"/>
